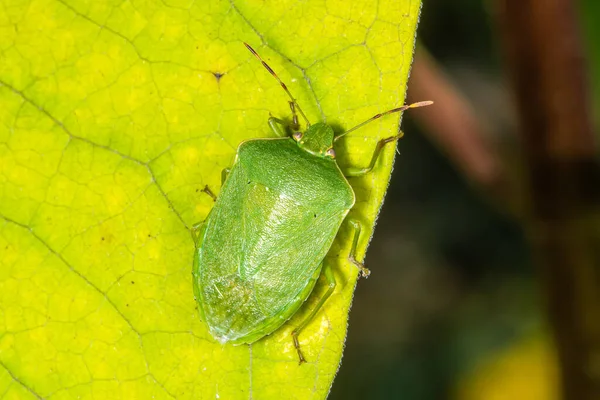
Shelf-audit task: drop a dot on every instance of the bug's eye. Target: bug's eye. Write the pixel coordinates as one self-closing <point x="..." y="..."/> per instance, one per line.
<point x="297" y="136"/>
<point x="330" y="152"/>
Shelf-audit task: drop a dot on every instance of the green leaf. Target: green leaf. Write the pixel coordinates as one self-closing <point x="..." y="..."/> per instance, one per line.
<point x="113" y="117"/>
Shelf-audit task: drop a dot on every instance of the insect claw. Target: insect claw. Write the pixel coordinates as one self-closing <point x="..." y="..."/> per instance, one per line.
<point x="364" y="271"/>
<point x="301" y="359"/>
<point x="392" y="138"/>
<point x="209" y="192"/>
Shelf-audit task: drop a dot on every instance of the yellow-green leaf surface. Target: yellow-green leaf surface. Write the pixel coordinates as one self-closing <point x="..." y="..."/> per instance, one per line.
<point x="113" y="116"/>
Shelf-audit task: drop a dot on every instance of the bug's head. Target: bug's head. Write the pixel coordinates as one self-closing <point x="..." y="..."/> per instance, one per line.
<point x="317" y="140"/>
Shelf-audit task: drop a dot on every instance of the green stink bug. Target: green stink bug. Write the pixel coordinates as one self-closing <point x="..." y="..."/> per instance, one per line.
<point x="262" y="247"/>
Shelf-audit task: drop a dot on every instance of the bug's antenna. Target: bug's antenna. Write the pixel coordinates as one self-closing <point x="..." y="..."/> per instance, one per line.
<point x="279" y="80"/>
<point x="393" y="110"/>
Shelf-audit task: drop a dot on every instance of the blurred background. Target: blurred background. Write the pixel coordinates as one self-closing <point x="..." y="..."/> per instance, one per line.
<point x="486" y="255"/>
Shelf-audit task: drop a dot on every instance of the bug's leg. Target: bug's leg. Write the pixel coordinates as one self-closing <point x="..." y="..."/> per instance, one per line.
<point x="330" y="288"/>
<point x="355" y="171"/>
<point x="209" y="192"/>
<point x="224" y="175"/>
<point x="197" y="230"/>
<point x="352" y="255"/>
<point x="277" y="126"/>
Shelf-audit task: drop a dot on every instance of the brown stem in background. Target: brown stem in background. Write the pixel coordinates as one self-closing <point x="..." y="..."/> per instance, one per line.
<point x="452" y="123"/>
<point x="545" y="59"/>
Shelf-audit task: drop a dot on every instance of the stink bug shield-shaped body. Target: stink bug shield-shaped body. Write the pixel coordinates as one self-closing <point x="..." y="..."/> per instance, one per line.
<point x="262" y="247"/>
